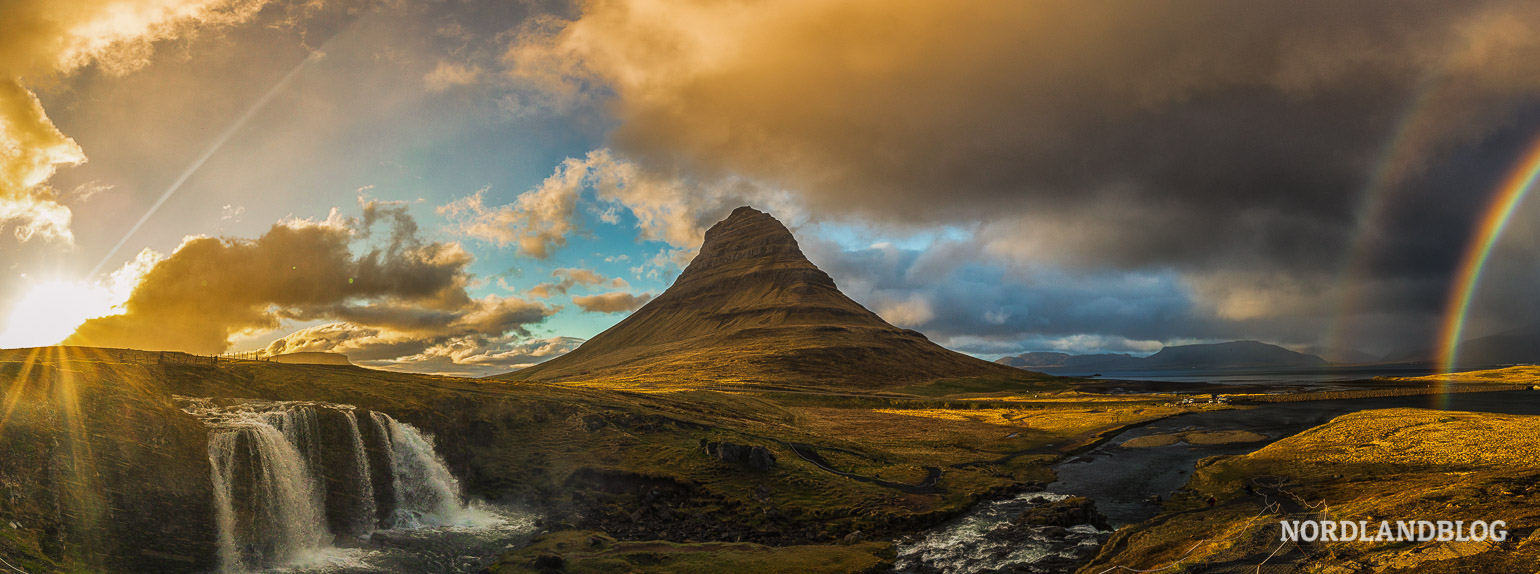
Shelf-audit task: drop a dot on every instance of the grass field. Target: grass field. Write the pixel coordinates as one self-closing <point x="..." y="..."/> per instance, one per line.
<point x="1523" y="374"/>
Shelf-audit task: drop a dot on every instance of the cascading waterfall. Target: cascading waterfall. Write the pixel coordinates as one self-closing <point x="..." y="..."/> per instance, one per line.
<point x="426" y="493"/>
<point x="266" y="499"/>
<point x="273" y="463"/>
<point x="366" y="521"/>
<point x="300" y="424"/>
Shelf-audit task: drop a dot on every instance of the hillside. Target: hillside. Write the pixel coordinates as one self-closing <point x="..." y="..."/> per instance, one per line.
<point x="1513" y="348"/>
<point x="1373" y="465"/>
<point x="114" y="474"/>
<point x="751" y="309"/>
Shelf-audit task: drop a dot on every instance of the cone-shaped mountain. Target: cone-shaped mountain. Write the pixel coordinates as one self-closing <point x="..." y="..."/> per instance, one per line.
<point x="750" y="308"/>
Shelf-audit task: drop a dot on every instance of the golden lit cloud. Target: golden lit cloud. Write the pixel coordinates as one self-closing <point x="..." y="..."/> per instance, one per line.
<point x="211" y="289"/>
<point x="912" y="311"/>
<point x="569" y="278"/>
<point x="31" y="149"/>
<point x="42" y="40"/>
<point x="615" y="302"/>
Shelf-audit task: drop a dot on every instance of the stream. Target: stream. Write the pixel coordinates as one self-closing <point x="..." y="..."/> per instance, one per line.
<point x="1124" y="481"/>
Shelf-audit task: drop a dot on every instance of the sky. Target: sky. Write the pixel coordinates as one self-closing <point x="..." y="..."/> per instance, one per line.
<point x="470" y="186"/>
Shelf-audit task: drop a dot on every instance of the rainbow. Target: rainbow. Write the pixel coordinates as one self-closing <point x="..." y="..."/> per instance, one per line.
<point x="1390" y="165"/>
<point x="1488" y="230"/>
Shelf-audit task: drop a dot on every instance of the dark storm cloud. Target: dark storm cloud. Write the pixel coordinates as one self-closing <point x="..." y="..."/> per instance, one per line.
<point x="1232" y="143"/>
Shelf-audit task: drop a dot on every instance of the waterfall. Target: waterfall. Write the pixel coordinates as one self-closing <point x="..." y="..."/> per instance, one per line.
<point x="365" y="521"/>
<point x="266" y="499"/>
<point x="273" y="464"/>
<point x="426" y="493"/>
<point x="300" y="424"/>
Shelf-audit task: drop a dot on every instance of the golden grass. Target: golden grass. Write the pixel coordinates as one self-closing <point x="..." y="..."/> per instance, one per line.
<point x="950" y="436"/>
<point x="1524" y="374"/>
<point x="1409" y="439"/>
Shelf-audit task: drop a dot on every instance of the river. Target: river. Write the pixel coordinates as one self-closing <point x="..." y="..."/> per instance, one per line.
<point x="1123" y="482"/>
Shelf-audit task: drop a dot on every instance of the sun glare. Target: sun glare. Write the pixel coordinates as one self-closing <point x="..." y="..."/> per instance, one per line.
<point x="51" y="310"/>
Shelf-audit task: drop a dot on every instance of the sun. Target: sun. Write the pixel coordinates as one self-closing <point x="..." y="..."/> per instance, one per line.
<point x="50" y="311"/>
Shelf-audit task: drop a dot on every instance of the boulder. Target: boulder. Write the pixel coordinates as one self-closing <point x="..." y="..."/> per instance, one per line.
<point x="754" y="456"/>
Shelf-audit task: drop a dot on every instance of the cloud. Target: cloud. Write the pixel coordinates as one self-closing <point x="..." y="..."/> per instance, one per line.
<point x="569" y="278"/>
<point x="614" y="302"/>
<point x="536" y="223"/>
<point x="1093" y="102"/>
<point x="41" y="40"/>
<point x="450" y="75"/>
<point x="31" y="149"/>
<point x="405" y="288"/>
<point x="1150" y="138"/>
<point x="912" y="311"/>
<point x="459" y="347"/>
<point x="472" y="356"/>
<point x="671" y="208"/>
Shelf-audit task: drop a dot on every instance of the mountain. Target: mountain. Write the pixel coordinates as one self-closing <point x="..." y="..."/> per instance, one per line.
<point x="1068" y="361"/>
<point x="1505" y="349"/>
<point x="1025" y="360"/>
<point x="751" y="309"/>
<point x="1234" y="354"/>
<point x="1514" y="347"/>
<point x="1342" y="355"/>
<point x="1230" y="355"/>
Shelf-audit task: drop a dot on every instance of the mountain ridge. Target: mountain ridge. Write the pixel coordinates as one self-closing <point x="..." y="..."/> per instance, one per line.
<point x="1231" y="354"/>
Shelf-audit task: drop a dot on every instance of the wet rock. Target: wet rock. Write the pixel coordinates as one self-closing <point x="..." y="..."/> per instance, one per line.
<point x="754" y="456"/>
<point x="1063" y="513"/>
<point x="549" y="561"/>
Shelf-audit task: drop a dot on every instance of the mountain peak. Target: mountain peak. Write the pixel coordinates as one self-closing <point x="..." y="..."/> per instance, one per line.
<point x="750" y="308"/>
<point x="746" y="235"/>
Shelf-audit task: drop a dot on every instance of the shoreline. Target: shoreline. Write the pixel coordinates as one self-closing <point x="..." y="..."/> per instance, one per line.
<point x="1456" y="388"/>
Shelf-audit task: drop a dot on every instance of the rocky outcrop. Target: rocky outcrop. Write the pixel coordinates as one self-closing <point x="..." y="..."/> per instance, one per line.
<point x="102" y="473"/>
<point x="1063" y="514"/>
<point x="755" y="457"/>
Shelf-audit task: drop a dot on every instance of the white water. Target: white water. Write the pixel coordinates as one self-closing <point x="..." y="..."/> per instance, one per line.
<point x="365" y="521"/>
<point x="426" y="493"/>
<point x="284" y="519"/>
<point x="982" y="541"/>
<point x="300" y="424"/>
<point x="269" y="498"/>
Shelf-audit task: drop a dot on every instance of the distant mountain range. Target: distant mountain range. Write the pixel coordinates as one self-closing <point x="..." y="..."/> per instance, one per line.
<point x="1234" y="354"/>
